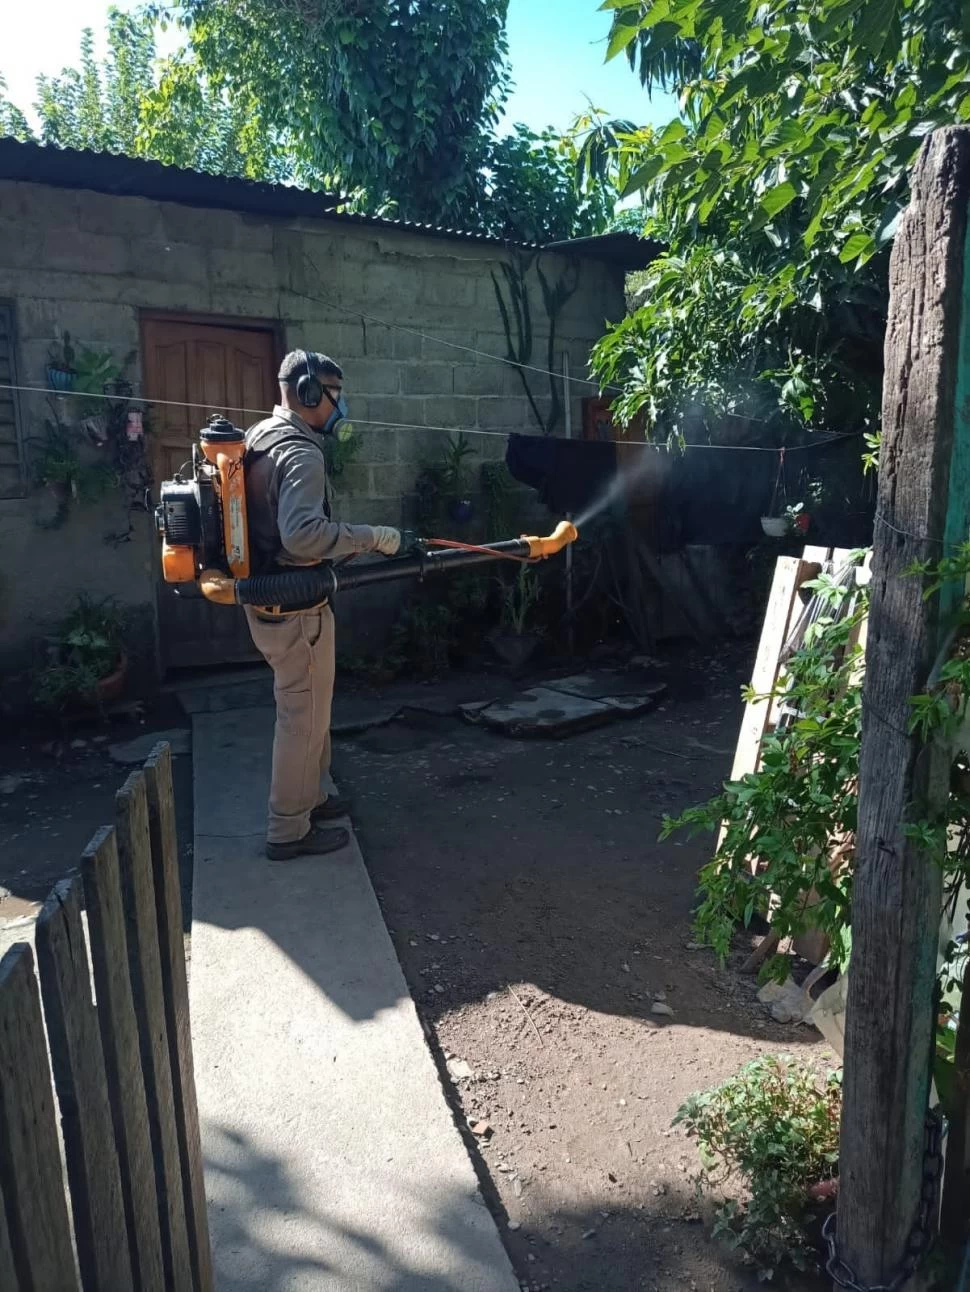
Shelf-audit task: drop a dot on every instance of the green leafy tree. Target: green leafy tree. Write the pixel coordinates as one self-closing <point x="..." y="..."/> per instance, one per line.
<point x="397" y="96"/>
<point x="12" y="120"/>
<point x="392" y="103"/>
<point x="778" y="189"/>
<point x="530" y="191"/>
<point x="133" y="104"/>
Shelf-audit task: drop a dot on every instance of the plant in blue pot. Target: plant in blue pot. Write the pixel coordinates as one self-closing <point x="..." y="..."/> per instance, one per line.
<point x="461" y="508"/>
<point x="61" y="373"/>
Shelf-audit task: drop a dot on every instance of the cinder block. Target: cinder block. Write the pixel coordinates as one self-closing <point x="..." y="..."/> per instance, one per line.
<point x="435" y="334"/>
<point x="38" y="206"/>
<point x="395" y="410"/>
<point x="20" y="244"/>
<point x="406" y="345"/>
<point x="376" y="446"/>
<point x="471" y="380"/>
<point x="392" y="481"/>
<point x="389" y="283"/>
<point x="373" y="376"/>
<point x="95" y="253"/>
<point x="375" y="511"/>
<point x="512" y="377"/>
<point x="445" y="289"/>
<point x="490" y="346"/>
<point x="230" y="298"/>
<point x="133" y="217"/>
<point x="451" y="411"/>
<point x="503" y="413"/>
<point x="252" y="269"/>
<point x="254" y="232"/>
<point x="169" y="262"/>
<point x="420" y="448"/>
<point x="354" y="480"/>
<point x="205" y="227"/>
<point x="427" y="378"/>
<point x="35" y="317"/>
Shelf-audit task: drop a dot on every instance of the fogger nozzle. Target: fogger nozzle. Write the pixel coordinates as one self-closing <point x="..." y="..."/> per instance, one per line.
<point x="564" y="534"/>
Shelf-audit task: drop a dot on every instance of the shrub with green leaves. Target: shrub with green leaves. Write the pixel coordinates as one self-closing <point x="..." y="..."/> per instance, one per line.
<point x="782" y="822"/>
<point x="773" y="1127"/>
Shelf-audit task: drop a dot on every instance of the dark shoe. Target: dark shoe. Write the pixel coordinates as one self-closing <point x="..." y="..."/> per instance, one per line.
<point x="317" y="843"/>
<point x="331" y="809"/>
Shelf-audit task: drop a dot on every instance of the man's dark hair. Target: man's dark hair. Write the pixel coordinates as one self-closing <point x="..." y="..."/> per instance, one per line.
<point x="294" y="366"/>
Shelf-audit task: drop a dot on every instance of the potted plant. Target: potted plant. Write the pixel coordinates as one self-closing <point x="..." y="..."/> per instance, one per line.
<point x="511" y="641"/>
<point x="775" y="526"/>
<point x="87" y="665"/>
<point x="61" y="373"/>
<point x="798" y="518"/>
<point x="461" y="508"/>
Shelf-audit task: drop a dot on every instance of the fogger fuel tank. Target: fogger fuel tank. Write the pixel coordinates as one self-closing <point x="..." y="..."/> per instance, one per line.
<point x="202" y="520"/>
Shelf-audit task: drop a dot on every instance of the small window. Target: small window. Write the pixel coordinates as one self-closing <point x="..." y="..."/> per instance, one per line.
<point x="11" y="441"/>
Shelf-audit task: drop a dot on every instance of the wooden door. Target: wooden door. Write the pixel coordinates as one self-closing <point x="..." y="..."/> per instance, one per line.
<point x="202" y="368"/>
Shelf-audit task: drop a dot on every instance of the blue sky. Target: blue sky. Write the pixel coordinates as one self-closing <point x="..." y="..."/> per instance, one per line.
<point x="556" y="48"/>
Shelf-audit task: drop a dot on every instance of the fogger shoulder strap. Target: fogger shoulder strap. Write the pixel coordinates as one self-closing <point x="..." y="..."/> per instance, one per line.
<point x="259" y="445"/>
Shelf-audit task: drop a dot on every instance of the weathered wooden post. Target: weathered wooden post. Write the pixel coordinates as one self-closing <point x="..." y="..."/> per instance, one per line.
<point x="923" y="506"/>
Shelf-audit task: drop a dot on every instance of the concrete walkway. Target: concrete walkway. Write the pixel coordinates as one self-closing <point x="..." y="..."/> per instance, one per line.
<point x="332" y="1160"/>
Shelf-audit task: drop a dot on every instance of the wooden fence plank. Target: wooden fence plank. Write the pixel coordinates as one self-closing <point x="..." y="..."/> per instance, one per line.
<point x="8" y="1271"/>
<point x="164" y="841"/>
<point x="923" y="502"/>
<point x="122" y="1055"/>
<point x="100" y="1230"/>
<point x="30" y="1161"/>
<point x="138" y="889"/>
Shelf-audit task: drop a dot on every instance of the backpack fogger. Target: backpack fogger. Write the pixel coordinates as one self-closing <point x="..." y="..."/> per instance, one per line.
<point x="203" y="527"/>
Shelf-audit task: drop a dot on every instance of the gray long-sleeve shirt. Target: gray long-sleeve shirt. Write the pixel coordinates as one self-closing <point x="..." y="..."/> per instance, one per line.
<point x="287" y="497"/>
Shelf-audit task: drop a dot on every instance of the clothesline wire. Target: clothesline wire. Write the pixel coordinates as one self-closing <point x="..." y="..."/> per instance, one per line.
<point x="880" y="519"/>
<point x="421" y="426"/>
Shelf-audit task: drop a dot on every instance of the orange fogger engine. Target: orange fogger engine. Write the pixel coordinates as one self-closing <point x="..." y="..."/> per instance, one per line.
<point x="202" y="519"/>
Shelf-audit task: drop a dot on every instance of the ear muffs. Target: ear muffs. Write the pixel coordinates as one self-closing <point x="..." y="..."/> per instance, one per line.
<point x="308" y="388"/>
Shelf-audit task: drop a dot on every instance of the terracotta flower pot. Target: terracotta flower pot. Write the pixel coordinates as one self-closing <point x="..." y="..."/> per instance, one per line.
<point x="109" y="688"/>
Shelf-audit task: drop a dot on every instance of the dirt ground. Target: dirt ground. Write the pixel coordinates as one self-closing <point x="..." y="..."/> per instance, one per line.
<point x="57" y="789"/>
<point x="539" y="923"/>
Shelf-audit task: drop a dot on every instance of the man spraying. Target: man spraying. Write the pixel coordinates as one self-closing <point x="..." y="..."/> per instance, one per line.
<point x="288" y="504"/>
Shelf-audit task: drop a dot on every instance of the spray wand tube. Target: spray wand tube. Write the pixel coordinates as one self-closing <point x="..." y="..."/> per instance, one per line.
<point x="311" y="585"/>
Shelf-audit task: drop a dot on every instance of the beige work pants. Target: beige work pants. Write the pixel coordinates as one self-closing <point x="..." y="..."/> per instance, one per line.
<point x="300" y="651"/>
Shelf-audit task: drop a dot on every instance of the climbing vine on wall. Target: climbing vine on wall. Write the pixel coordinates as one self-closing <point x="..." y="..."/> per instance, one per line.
<point x="515" y="308"/>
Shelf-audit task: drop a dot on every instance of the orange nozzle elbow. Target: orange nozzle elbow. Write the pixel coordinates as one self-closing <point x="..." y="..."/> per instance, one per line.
<point x="564" y="534"/>
<point x="218" y="587"/>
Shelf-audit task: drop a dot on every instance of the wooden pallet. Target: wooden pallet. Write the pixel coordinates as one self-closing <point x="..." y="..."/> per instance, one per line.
<point x="764" y="710"/>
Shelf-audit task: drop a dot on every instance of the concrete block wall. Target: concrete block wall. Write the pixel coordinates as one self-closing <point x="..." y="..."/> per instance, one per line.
<point x="91" y="263"/>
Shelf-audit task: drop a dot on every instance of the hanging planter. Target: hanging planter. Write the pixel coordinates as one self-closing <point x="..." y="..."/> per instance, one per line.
<point x="61" y="373"/>
<point x="775" y="526"/>
<point x="777" y="523"/>
<point x="462" y="510"/>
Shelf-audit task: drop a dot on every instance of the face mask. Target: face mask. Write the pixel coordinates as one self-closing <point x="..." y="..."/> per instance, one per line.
<point x="337" y="422"/>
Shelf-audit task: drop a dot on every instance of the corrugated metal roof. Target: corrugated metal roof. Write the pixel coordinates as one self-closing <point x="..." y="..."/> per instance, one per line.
<point x="114" y="173"/>
<point x="104" y="172"/>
